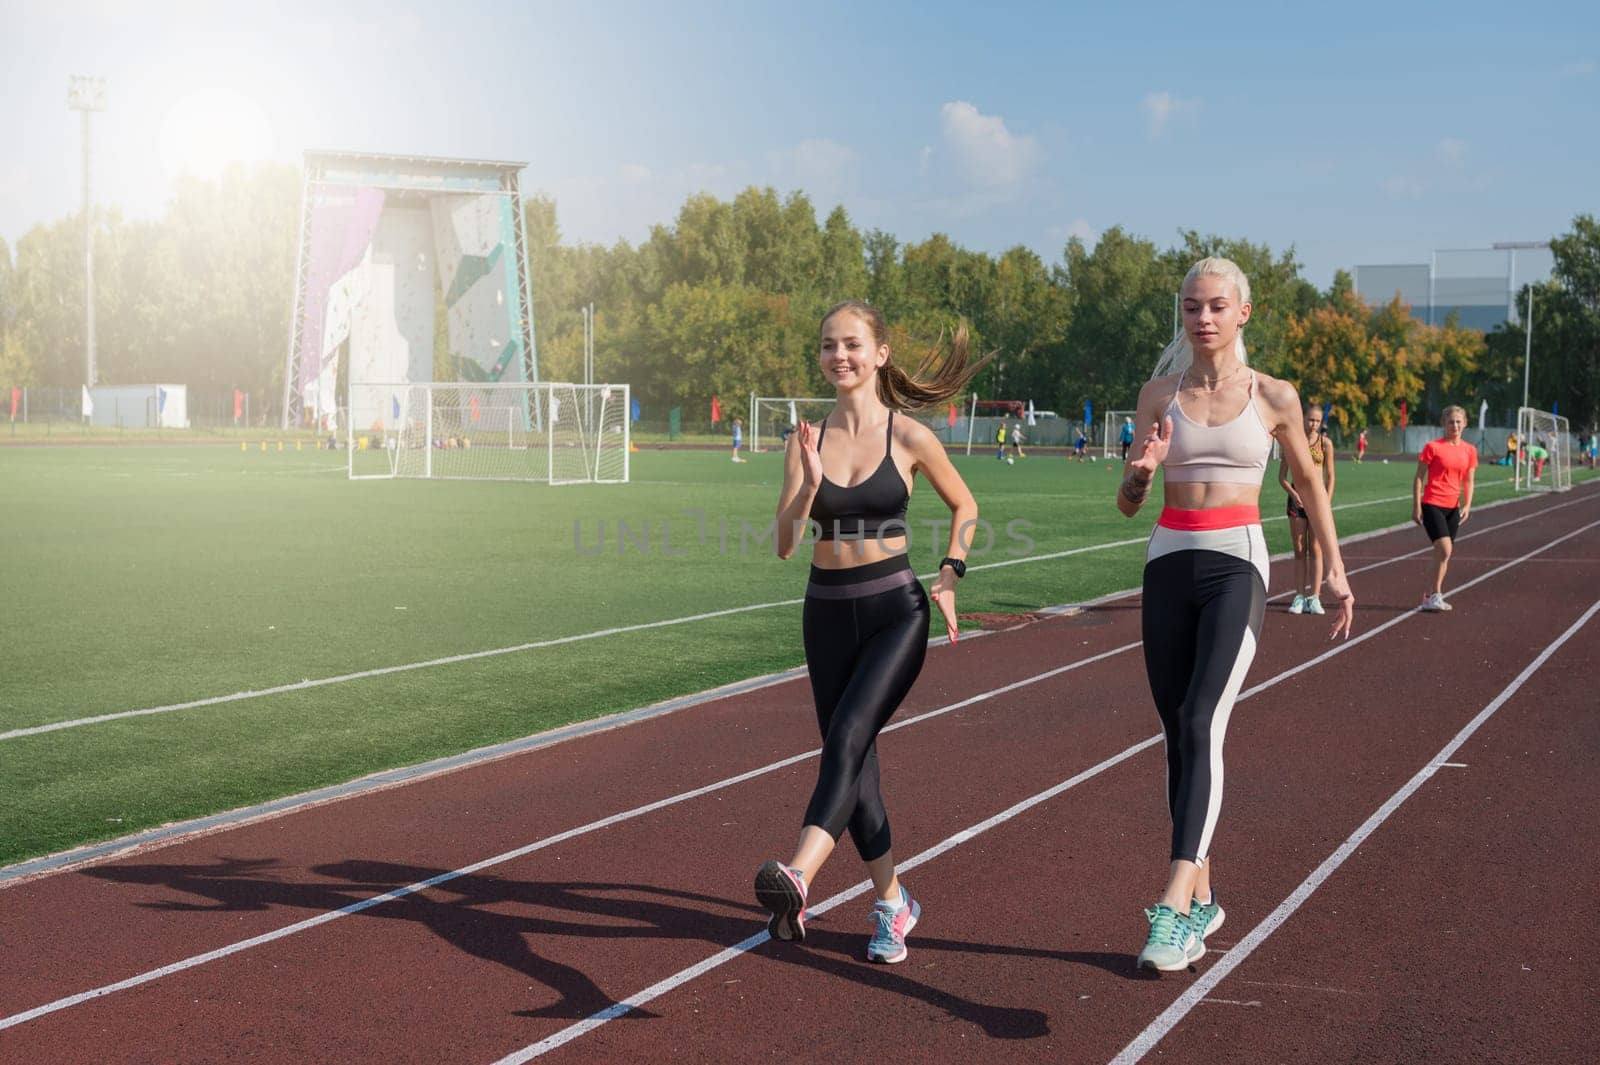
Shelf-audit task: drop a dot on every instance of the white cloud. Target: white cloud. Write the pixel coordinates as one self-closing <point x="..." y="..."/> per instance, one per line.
<point x="1453" y="150"/>
<point x="1404" y="187"/>
<point x="988" y="154"/>
<point x="1161" y="107"/>
<point x="1081" y="229"/>
<point x="815" y="163"/>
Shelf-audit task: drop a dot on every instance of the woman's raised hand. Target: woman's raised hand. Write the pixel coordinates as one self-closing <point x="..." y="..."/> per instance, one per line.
<point x="1155" y="447"/>
<point x="810" y="457"/>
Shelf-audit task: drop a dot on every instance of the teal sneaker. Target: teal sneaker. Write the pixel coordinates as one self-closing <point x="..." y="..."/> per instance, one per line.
<point x="1298" y="604"/>
<point x="891" y="925"/>
<point x="1172" y="944"/>
<point x="1205" y="917"/>
<point x="1314" y="605"/>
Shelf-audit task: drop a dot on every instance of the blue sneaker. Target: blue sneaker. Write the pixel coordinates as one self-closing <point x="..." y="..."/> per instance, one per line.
<point x="1172" y="944"/>
<point x="782" y="891"/>
<point x="893" y="923"/>
<point x="1205" y="917"/>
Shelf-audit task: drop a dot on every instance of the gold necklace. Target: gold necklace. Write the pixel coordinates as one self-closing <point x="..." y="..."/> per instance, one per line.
<point x="1215" y="384"/>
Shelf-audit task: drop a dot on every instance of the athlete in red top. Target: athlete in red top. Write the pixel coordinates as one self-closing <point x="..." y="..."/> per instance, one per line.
<point x="1448" y="466"/>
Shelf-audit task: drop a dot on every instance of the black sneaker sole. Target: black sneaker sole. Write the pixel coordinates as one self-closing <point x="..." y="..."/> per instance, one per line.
<point x="776" y="891"/>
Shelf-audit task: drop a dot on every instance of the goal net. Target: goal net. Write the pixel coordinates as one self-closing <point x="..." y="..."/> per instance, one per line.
<point x="1112" y="441"/>
<point x="1544" y="451"/>
<point x="771" y="415"/>
<point x="554" y="433"/>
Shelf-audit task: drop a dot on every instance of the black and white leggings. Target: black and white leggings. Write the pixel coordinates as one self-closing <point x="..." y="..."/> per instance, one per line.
<point x="1205" y="595"/>
<point x="866" y="635"/>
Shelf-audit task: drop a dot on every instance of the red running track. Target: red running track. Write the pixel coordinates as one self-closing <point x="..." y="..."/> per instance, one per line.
<point x="1451" y="934"/>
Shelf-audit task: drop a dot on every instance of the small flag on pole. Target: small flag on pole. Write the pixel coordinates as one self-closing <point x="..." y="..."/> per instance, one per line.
<point x="238" y="405"/>
<point x="716" y="411"/>
<point x="88" y="403"/>
<point x="1403" y="414"/>
<point x="1031" y="420"/>
<point x="950" y="419"/>
<point x="474" y="408"/>
<point x="794" y="416"/>
<point x="635" y="408"/>
<point x="394" y="402"/>
<point x="1483" y="414"/>
<point x="16" y="398"/>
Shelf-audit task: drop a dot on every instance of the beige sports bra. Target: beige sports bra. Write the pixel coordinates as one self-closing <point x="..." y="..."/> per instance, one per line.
<point x="1234" y="452"/>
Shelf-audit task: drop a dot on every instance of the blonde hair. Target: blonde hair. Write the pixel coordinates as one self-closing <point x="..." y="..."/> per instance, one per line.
<point x="935" y="380"/>
<point x="1178" y="355"/>
<point x="1445" y="414"/>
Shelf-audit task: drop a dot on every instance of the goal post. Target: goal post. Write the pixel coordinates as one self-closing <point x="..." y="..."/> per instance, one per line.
<point x="770" y="414"/>
<point x="551" y="432"/>
<point x="1112" y="440"/>
<point x="1544" y="451"/>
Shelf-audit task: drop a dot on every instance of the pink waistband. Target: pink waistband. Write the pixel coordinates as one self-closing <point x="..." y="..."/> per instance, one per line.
<point x="1212" y="518"/>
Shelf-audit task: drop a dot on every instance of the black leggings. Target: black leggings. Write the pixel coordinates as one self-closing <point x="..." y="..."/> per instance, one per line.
<point x="866" y="634"/>
<point x="1202" y="616"/>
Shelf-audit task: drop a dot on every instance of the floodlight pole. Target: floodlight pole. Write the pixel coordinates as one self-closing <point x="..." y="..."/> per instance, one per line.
<point x="1527" y="352"/>
<point x="87" y="95"/>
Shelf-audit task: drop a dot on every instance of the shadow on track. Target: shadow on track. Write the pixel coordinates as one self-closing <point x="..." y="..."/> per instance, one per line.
<point x="503" y="921"/>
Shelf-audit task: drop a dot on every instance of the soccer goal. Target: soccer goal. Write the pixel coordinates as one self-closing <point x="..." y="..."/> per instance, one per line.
<point x="769" y="415"/>
<point x="553" y="433"/>
<point x="1112" y="442"/>
<point x="1544" y="451"/>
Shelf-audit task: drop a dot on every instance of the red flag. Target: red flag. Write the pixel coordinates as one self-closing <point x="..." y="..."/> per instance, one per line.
<point x="716" y="411"/>
<point x="1402" y="414"/>
<point x="16" y="397"/>
<point x="238" y="404"/>
<point x="952" y="418"/>
<point x="474" y="408"/>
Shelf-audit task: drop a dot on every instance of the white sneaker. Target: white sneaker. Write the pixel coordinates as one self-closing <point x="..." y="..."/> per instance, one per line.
<point x="1314" y="605"/>
<point x="1298" y="605"/>
<point x="1434" y="603"/>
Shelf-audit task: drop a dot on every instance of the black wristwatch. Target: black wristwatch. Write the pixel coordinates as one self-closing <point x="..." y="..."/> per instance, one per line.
<point x="956" y="564"/>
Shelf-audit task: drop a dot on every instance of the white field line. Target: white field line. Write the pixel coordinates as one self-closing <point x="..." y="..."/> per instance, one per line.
<point x="406" y="774"/>
<point x="519" y="852"/>
<point x="470" y="656"/>
<point x="628" y="815"/>
<point x="1146" y="1040"/>
<point x="661" y="987"/>
<point x="450" y="763"/>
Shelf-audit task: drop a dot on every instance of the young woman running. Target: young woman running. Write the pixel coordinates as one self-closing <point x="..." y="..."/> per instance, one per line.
<point x="1211" y="420"/>
<point x="865" y="619"/>
<point x="1307" y="552"/>
<point x="1448" y="466"/>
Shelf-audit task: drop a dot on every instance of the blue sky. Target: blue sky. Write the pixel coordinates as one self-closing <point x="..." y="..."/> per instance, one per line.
<point x="1359" y="133"/>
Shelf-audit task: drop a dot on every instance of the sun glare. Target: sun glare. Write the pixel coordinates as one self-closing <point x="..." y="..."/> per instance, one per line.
<point x="202" y="134"/>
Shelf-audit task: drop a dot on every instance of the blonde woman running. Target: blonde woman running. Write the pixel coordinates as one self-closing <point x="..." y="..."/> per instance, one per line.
<point x="1210" y="421"/>
<point x="1307" y="552"/>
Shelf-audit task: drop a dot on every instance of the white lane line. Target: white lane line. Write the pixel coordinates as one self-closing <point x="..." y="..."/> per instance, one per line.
<point x="1401" y="527"/>
<point x="471" y="656"/>
<point x="411" y="889"/>
<point x="77" y="856"/>
<point x="1146" y="1040"/>
<point x="519" y="852"/>
<point x="615" y="1010"/>
<point x="683" y="976"/>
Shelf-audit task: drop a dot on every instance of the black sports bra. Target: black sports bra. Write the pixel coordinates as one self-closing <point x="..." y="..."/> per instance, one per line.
<point x="861" y="511"/>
